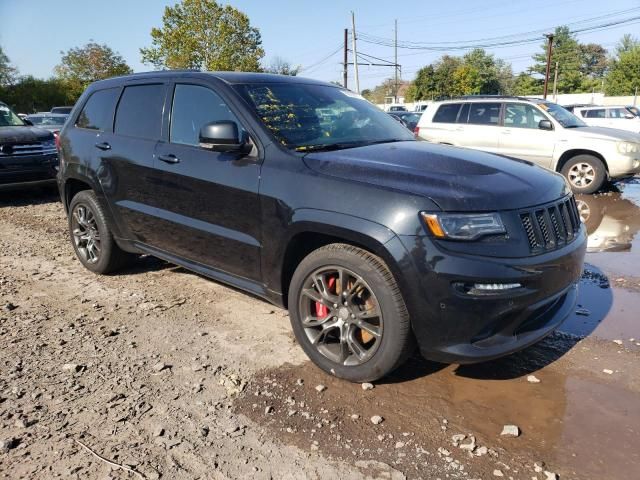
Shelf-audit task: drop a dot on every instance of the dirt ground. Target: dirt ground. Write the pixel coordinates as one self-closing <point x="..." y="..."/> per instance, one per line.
<point x="159" y="373"/>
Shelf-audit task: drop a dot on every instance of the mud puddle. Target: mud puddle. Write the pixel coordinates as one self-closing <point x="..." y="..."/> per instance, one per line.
<point x="605" y="312"/>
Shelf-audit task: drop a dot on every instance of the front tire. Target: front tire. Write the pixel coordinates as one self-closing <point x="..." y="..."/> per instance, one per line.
<point x="586" y="173"/>
<point x="91" y="238"/>
<point x="348" y="314"/>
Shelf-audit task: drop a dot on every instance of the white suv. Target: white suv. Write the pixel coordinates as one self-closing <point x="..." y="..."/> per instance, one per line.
<point x="538" y="131"/>
<point x="624" y="118"/>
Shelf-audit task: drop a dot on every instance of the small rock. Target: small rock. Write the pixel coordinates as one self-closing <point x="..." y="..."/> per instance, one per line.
<point x="377" y="419"/>
<point x="355" y="416"/>
<point x="538" y="467"/>
<point x="607" y="371"/>
<point x="456" y="439"/>
<point x="533" y="379"/>
<point x="71" y="367"/>
<point x="400" y="444"/>
<point x="444" y="451"/>
<point x="158" y="367"/>
<point x="268" y="410"/>
<point x="471" y="446"/>
<point x="498" y="473"/>
<point x="550" y="476"/>
<point x="9" y="307"/>
<point x="619" y="342"/>
<point x="299" y="381"/>
<point x="320" y="388"/>
<point x="158" y="431"/>
<point x="20" y="423"/>
<point x="7" y="444"/>
<point x="367" y="386"/>
<point x="511" y="430"/>
<point x="480" y="451"/>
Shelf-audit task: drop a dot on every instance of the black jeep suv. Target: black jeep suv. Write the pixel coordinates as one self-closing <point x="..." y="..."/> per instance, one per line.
<point x="28" y="155"/>
<point x="372" y="240"/>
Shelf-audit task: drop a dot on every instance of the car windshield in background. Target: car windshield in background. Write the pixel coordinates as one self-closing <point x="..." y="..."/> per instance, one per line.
<point x="634" y="110"/>
<point x="47" y="120"/>
<point x="8" y="118"/>
<point x="315" y="117"/>
<point x="562" y="115"/>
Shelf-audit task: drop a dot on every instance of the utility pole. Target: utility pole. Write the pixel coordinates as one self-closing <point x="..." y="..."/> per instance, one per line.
<point x="395" y="60"/>
<point x="346" y="59"/>
<point x="355" y="51"/>
<point x="555" y="84"/>
<point x="546" y="76"/>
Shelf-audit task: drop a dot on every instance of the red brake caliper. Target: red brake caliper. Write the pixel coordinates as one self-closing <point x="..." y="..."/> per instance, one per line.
<point x="321" y="310"/>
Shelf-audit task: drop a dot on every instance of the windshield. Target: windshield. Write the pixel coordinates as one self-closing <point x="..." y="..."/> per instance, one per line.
<point x="634" y="110"/>
<point x="47" y="120"/>
<point x="304" y="117"/>
<point x="8" y="118"/>
<point x="563" y="116"/>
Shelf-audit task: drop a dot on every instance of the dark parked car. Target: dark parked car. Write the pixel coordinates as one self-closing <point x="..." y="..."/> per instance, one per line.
<point x="27" y="154"/>
<point x="61" y="110"/>
<point x="49" y="121"/>
<point x="372" y="240"/>
<point x="409" y="119"/>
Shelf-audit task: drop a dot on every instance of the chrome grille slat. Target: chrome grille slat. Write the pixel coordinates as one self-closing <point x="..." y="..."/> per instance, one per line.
<point x="24" y="149"/>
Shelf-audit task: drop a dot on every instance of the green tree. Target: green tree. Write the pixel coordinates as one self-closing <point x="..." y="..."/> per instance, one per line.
<point x="281" y="66"/>
<point x="83" y="65"/>
<point x="29" y="94"/>
<point x="201" y="34"/>
<point x="624" y="74"/>
<point x="525" y="84"/>
<point x="7" y="72"/>
<point x="627" y="43"/>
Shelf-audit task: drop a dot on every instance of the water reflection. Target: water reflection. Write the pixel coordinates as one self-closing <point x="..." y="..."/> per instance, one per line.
<point x="612" y="220"/>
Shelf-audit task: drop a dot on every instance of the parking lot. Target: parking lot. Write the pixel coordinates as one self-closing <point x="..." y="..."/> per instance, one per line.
<point x="167" y="373"/>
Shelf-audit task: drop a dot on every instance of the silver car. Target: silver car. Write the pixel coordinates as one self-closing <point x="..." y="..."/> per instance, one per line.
<point x="538" y="131"/>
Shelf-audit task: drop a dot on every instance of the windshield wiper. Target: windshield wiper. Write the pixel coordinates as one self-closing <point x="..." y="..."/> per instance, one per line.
<point x="343" y="145"/>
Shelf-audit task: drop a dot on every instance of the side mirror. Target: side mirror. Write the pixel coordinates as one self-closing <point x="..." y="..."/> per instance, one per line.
<point x="27" y="122"/>
<point x="222" y="136"/>
<point x="545" y="125"/>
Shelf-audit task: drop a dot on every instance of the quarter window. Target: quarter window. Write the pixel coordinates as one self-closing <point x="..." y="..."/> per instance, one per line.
<point x="140" y="111"/>
<point x="97" y="113"/>
<point x="484" y="113"/>
<point x="193" y="107"/>
<point x="520" y="115"/>
<point x="447" y="113"/>
<point x="618" y="112"/>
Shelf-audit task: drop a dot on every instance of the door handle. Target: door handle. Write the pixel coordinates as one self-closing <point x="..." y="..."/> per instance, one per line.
<point x="103" y="146"/>
<point x="171" y="158"/>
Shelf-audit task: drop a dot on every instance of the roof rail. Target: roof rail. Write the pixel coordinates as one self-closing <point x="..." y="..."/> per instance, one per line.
<point x="473" y="97"/>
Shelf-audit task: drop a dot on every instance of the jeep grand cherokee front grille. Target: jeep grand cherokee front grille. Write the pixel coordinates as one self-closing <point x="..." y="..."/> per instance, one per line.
<point x="551" y="226"/>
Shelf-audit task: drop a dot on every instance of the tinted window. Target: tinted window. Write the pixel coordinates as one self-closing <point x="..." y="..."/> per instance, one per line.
<point x="463" y="116"/>
<point x="517" y="115"/>
<point x="484" y="113"/>
<point x="193" y="107"/>
<point x="140" y="111"/>
<point x="97" y="113"/>
<point x="447" y="113"/>
<point x="618" y="112"/>
<point x="600" y="113"/>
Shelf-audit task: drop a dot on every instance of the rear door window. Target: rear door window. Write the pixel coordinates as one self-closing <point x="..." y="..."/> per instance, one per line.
<point x="139" y="111"/>
<point x="447" y="113"/>
<point x="618" y="112"/>
<point x="97" y="113"/>
<point x="484" y="113"/>
<point x="597" y="113"/>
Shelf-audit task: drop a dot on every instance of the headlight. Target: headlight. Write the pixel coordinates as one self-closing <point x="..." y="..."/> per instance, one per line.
<point x="463" y="226"/>
<point x="628" y="148"/>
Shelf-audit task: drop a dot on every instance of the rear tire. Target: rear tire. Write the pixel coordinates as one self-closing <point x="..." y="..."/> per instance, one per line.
<point x="360" y="328"/>
<point x="586" y="173"/>
<point x="91" y="238"/>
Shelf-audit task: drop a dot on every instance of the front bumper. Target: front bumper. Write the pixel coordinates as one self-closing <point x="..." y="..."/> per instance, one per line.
<point x="454" y="326"/>
<point x="28" y="170"/>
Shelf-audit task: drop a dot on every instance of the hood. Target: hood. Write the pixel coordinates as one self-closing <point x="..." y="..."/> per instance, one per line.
<point x="24" y="134"/>
<point x="457" y="179"/>
<point x="605" y="133"/>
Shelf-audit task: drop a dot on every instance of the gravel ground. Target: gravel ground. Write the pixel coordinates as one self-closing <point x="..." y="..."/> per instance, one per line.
<point x="159" y="373"/>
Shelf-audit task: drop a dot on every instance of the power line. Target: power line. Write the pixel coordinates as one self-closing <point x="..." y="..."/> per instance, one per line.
<point x="323" y="60"/>
<point x="497" y="43"/>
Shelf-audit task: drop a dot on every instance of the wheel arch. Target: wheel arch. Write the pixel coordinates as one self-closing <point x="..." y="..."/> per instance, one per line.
<point x="569" y="154"/>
